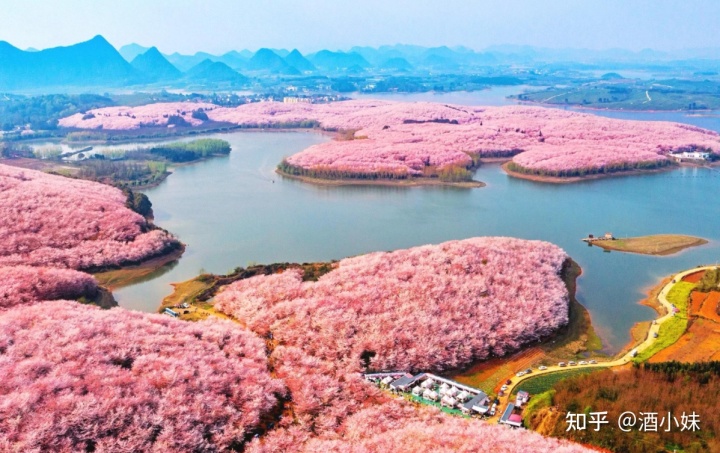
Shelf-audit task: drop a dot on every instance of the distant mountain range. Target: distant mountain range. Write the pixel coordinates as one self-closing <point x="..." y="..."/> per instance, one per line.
<point x="96" y="63"/>
<point x="90" y="63"/>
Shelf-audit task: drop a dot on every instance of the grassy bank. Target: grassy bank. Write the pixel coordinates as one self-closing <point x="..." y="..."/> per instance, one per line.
<point x="672" y="329"/>
<point x="406" y="182"/>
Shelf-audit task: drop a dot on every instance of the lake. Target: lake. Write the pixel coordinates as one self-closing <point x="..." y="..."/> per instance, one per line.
<point x="235" y="210"/>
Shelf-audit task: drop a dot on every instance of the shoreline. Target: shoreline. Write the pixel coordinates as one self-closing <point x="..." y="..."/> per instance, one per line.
<point x="411" y="182"/>
<point x="574" y="179"/>
<point x="577" y="338"/>
<point x="640" y="331"/>
<point x="113" y="279"/>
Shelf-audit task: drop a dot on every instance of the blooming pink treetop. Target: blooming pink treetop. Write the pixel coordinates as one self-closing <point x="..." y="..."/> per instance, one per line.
<point x="126" y="118"/>
<point x="394" y="426"/>
<point x="425" y="308"/>
<point x="75" y="377"/>
<point x="405" y="137"/>
<point x="48" y="220"/>
<point x="25" y="284"/>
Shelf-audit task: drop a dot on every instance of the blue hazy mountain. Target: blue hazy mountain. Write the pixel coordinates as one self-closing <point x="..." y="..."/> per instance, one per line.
<point x="234" y="59"/>
<point x="154" y="66"/>
<point x="90" y="63"/>
<point x="267" y="60"/>
<point x="130" y="51"/>
<point x="214" y="73"/>
<point x="299" y="62"/>
<point x="333" y="61"/>
<point x="186" y="62"/>
<point x="396" y="64"/>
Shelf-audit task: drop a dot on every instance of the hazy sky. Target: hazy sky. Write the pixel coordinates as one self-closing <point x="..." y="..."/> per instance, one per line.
<point x="221" y="25"/>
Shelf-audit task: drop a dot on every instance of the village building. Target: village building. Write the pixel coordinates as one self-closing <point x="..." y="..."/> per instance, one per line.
<point x="296" y="100"/>
<point x="688" y="156"/>
<point x="480" y="404"/>
<point x="522" y="398"/>
<point x="509" y="417"/>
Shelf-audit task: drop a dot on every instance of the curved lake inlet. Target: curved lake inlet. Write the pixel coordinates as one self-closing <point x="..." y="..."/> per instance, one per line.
<point x="235" y="210"/>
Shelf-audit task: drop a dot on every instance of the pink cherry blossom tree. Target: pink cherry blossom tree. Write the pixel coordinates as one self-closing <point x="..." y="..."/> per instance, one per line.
<point x="48" y="220"/>
<point x="77" y="378"/>
<point x="25" y="284"/>
<point x="403" y="139"/>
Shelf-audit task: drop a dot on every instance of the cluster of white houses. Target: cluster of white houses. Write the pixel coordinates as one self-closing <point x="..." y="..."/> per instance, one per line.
<point x="451" y="394"/>
<point x="448" y="393"/>
<point x="690" y="156"/>
<point x="437" y="389"/>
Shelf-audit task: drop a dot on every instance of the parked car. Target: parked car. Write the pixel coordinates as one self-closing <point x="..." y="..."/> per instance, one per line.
<point x="508" y="382"/>
<point x="582" y="362"/>
<point x="562" y="364"/>
<point x="655" y="335"/>
<point x="572" y="363"/>
<point x="504" y="387"/>
<point x="593" y="362"/>
<point x="542" y="368"/>
<point x="528" y="371"/>
<point x="520" y="374"/>
<point x="491" y="412"/>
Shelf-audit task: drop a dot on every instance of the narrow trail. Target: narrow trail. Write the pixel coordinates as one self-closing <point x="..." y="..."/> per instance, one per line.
<point x="553" y="97"/>
<point x="618" y="362"/>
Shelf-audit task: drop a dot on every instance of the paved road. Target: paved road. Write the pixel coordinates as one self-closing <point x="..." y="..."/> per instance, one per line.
<point x="625" y="359"/>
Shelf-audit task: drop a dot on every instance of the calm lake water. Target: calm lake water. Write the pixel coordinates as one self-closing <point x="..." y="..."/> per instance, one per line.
<point x="235" y="210"/>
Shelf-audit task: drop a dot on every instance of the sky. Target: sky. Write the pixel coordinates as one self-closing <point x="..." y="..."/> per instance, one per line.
<point x="218" y="26"/>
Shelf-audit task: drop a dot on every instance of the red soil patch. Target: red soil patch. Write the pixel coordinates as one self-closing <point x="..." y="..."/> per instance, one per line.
<point x="700" y="343"/>
<point x="497" y="370"/>
<point x="694" y="277"/>
<point x="696" y="301"/>
<point x="709" y="306"/>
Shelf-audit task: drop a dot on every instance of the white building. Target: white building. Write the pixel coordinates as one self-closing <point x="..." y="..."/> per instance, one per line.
<point x="690" y="155"/>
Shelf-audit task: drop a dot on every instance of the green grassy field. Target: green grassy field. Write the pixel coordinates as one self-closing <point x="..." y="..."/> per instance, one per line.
<point x="672" y="329"/>
<point x="543" y="383"/>
<point x="631" y="95"/>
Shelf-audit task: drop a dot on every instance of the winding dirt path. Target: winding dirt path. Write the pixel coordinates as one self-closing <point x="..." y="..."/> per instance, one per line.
<point x="620" y="361"/>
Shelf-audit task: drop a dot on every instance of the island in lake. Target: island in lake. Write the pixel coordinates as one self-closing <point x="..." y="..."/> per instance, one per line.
<point x="426" y="142"/>
<point x="656" y="244"/>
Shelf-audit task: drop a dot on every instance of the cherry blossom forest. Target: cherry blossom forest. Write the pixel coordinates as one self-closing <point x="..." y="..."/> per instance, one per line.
<point x="282" y="376"/>
<point x="54" y="221"/>
<point x="425" y="308"/>
<point x="401" y="139"/>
